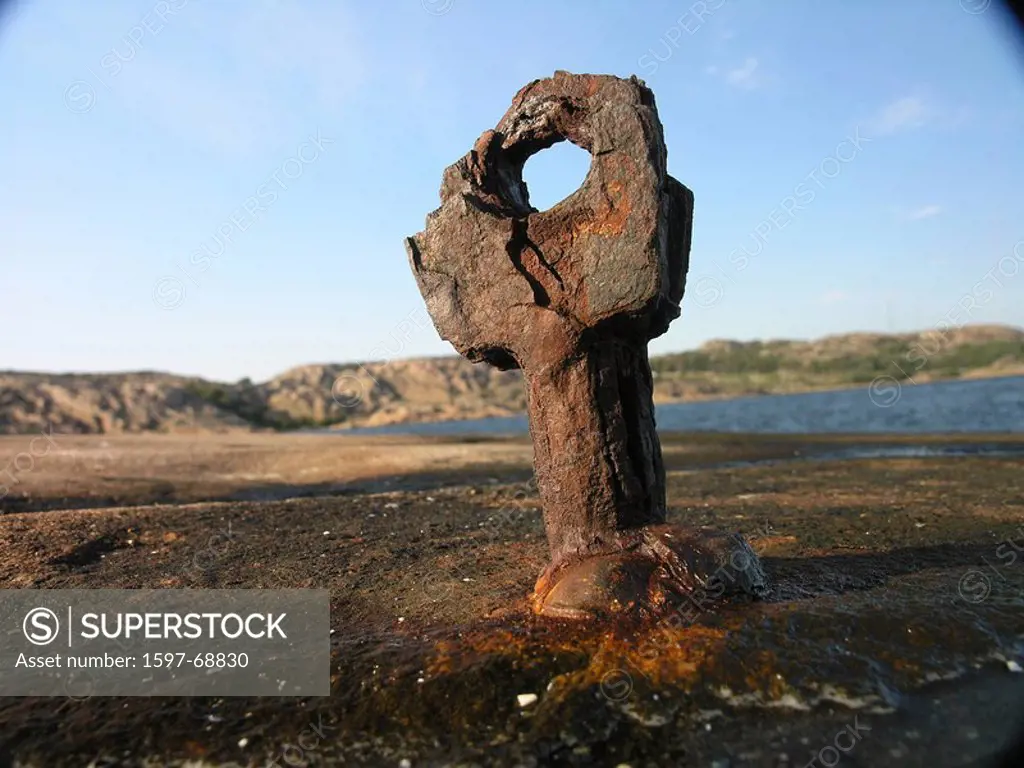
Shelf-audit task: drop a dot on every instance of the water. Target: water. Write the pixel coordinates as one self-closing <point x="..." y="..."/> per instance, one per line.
<point x="984" y="405"/>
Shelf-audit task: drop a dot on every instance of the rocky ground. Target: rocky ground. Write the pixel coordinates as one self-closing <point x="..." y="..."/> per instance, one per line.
<point x="893" y="635"/>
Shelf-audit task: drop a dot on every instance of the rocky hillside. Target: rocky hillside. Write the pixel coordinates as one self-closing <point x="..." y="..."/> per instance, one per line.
<point x="451" y="388"/>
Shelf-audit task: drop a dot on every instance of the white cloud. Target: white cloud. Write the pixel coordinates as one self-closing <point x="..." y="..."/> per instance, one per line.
<point x="902" y="114"/>
<point x="745" y="76"/>
<point x="924" y="212"/>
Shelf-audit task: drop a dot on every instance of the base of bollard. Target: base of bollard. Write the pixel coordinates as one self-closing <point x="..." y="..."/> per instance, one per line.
<point x="649" y="570"/>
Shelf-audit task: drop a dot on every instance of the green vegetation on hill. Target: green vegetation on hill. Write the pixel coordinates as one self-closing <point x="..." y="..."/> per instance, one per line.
<point x="730" y="368"/>
<point x="959" y="361"/>
<point x="897" y="357"/>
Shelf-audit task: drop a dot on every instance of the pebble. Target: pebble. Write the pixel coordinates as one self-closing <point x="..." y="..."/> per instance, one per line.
<point x="242" y="742"/>
<point x="526" y="699"/>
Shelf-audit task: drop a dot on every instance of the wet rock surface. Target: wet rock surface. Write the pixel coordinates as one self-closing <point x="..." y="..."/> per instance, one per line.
<point x="893" y="633"/>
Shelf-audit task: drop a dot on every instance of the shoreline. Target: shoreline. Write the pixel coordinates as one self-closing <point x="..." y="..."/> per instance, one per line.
<point x="371" y="423"/>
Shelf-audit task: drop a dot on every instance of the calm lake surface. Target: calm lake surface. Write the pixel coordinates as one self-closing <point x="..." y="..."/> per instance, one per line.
<point x="986" y="405"/>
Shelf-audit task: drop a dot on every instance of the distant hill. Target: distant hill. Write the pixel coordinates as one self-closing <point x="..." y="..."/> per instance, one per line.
<point x="343" y="395"/>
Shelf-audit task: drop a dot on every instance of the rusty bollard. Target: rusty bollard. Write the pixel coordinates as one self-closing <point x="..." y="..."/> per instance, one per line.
<point x="571" y="296"/>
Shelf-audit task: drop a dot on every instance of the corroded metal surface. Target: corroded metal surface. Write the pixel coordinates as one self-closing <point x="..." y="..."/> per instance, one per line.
<point x="572" y="295"/>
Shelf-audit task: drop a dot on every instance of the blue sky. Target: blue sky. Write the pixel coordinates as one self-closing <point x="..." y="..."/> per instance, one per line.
<point x="866" y="156"/>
